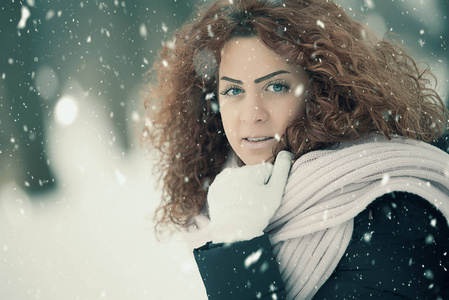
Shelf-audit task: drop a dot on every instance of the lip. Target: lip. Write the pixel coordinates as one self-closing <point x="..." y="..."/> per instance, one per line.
<point x="256" y="145"/>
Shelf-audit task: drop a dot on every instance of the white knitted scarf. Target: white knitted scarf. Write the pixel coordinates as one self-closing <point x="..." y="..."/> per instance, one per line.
<point x="326" y="189"/>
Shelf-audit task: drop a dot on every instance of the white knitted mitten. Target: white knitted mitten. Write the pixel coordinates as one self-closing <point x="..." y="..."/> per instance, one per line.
<point x="243" y="200"/>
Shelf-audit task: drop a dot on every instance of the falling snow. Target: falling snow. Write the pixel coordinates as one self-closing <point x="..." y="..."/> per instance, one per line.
<point x="164" y="27"/>
<point x="50" y="14"/>
<point x="66" y="110"/>
<point x="429" y="274"/>
<point x="210" y="96"/>
<point x="215" y="107"/>
<point x="69" y="88"/>
<point x="367" y="236"/>
<point x="385" y="179"/>
<point x="23" y="19"/>
<point x="143" y="30"/>
<point x="252" y="258"/>
<point x="320" y="23"/>
<point x="369" y="4"/>
<point x="429" y="239"/>
<point x="433" y="222"/>
<point x="299" y="90"/>
<point x="205" y="63"/>
<point x="209" y="30"/>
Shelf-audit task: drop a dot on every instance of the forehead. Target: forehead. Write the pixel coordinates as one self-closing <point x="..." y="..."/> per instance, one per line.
<point x="250" y="55"/>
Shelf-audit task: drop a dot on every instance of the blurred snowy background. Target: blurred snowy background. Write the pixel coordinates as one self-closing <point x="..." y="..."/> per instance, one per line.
<point x="76" y="190"/>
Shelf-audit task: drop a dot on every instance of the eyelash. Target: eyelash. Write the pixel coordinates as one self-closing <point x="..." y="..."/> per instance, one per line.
<point x="228" y="89"/>
<point x="285" y="86"/>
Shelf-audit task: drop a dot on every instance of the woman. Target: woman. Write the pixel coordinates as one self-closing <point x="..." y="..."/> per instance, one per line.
<point x="362" y="213"/>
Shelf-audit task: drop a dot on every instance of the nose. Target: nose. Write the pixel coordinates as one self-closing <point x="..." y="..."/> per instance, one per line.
<point x="253" y="110"/>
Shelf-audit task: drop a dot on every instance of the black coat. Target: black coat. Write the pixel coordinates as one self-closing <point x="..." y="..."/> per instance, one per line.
<point x="399" y="250"/>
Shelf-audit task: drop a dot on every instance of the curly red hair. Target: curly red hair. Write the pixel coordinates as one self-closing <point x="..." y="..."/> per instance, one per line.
<point x="359" y="85"/>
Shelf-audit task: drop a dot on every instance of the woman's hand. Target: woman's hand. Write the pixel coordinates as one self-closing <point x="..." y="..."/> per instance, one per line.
<point x="243" y="200"/>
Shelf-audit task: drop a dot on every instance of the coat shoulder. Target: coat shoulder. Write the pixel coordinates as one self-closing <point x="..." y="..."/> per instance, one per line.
<point x="399" y="248"/>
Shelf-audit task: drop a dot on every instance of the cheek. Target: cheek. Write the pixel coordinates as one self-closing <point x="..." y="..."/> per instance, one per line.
<point x="285" y="114"/>
<point x="227" y="119"/>
<point x="290" y="110"/>
<point x="295" y="111"/>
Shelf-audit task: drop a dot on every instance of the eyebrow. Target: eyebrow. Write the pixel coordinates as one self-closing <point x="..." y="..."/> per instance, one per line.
<point x="258" y="80"/>
<point x="231" y="80"/>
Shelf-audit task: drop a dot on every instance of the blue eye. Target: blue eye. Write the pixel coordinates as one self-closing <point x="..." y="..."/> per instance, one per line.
<point x="277" y="87"/>
<point x="231" y="91"/>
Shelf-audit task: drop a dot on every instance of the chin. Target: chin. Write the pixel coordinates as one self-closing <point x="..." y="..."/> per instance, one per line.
<point x="255" y="160"/>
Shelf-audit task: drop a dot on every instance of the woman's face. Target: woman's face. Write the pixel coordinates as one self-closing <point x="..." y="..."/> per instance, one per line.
<point x="260" y="94"/>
